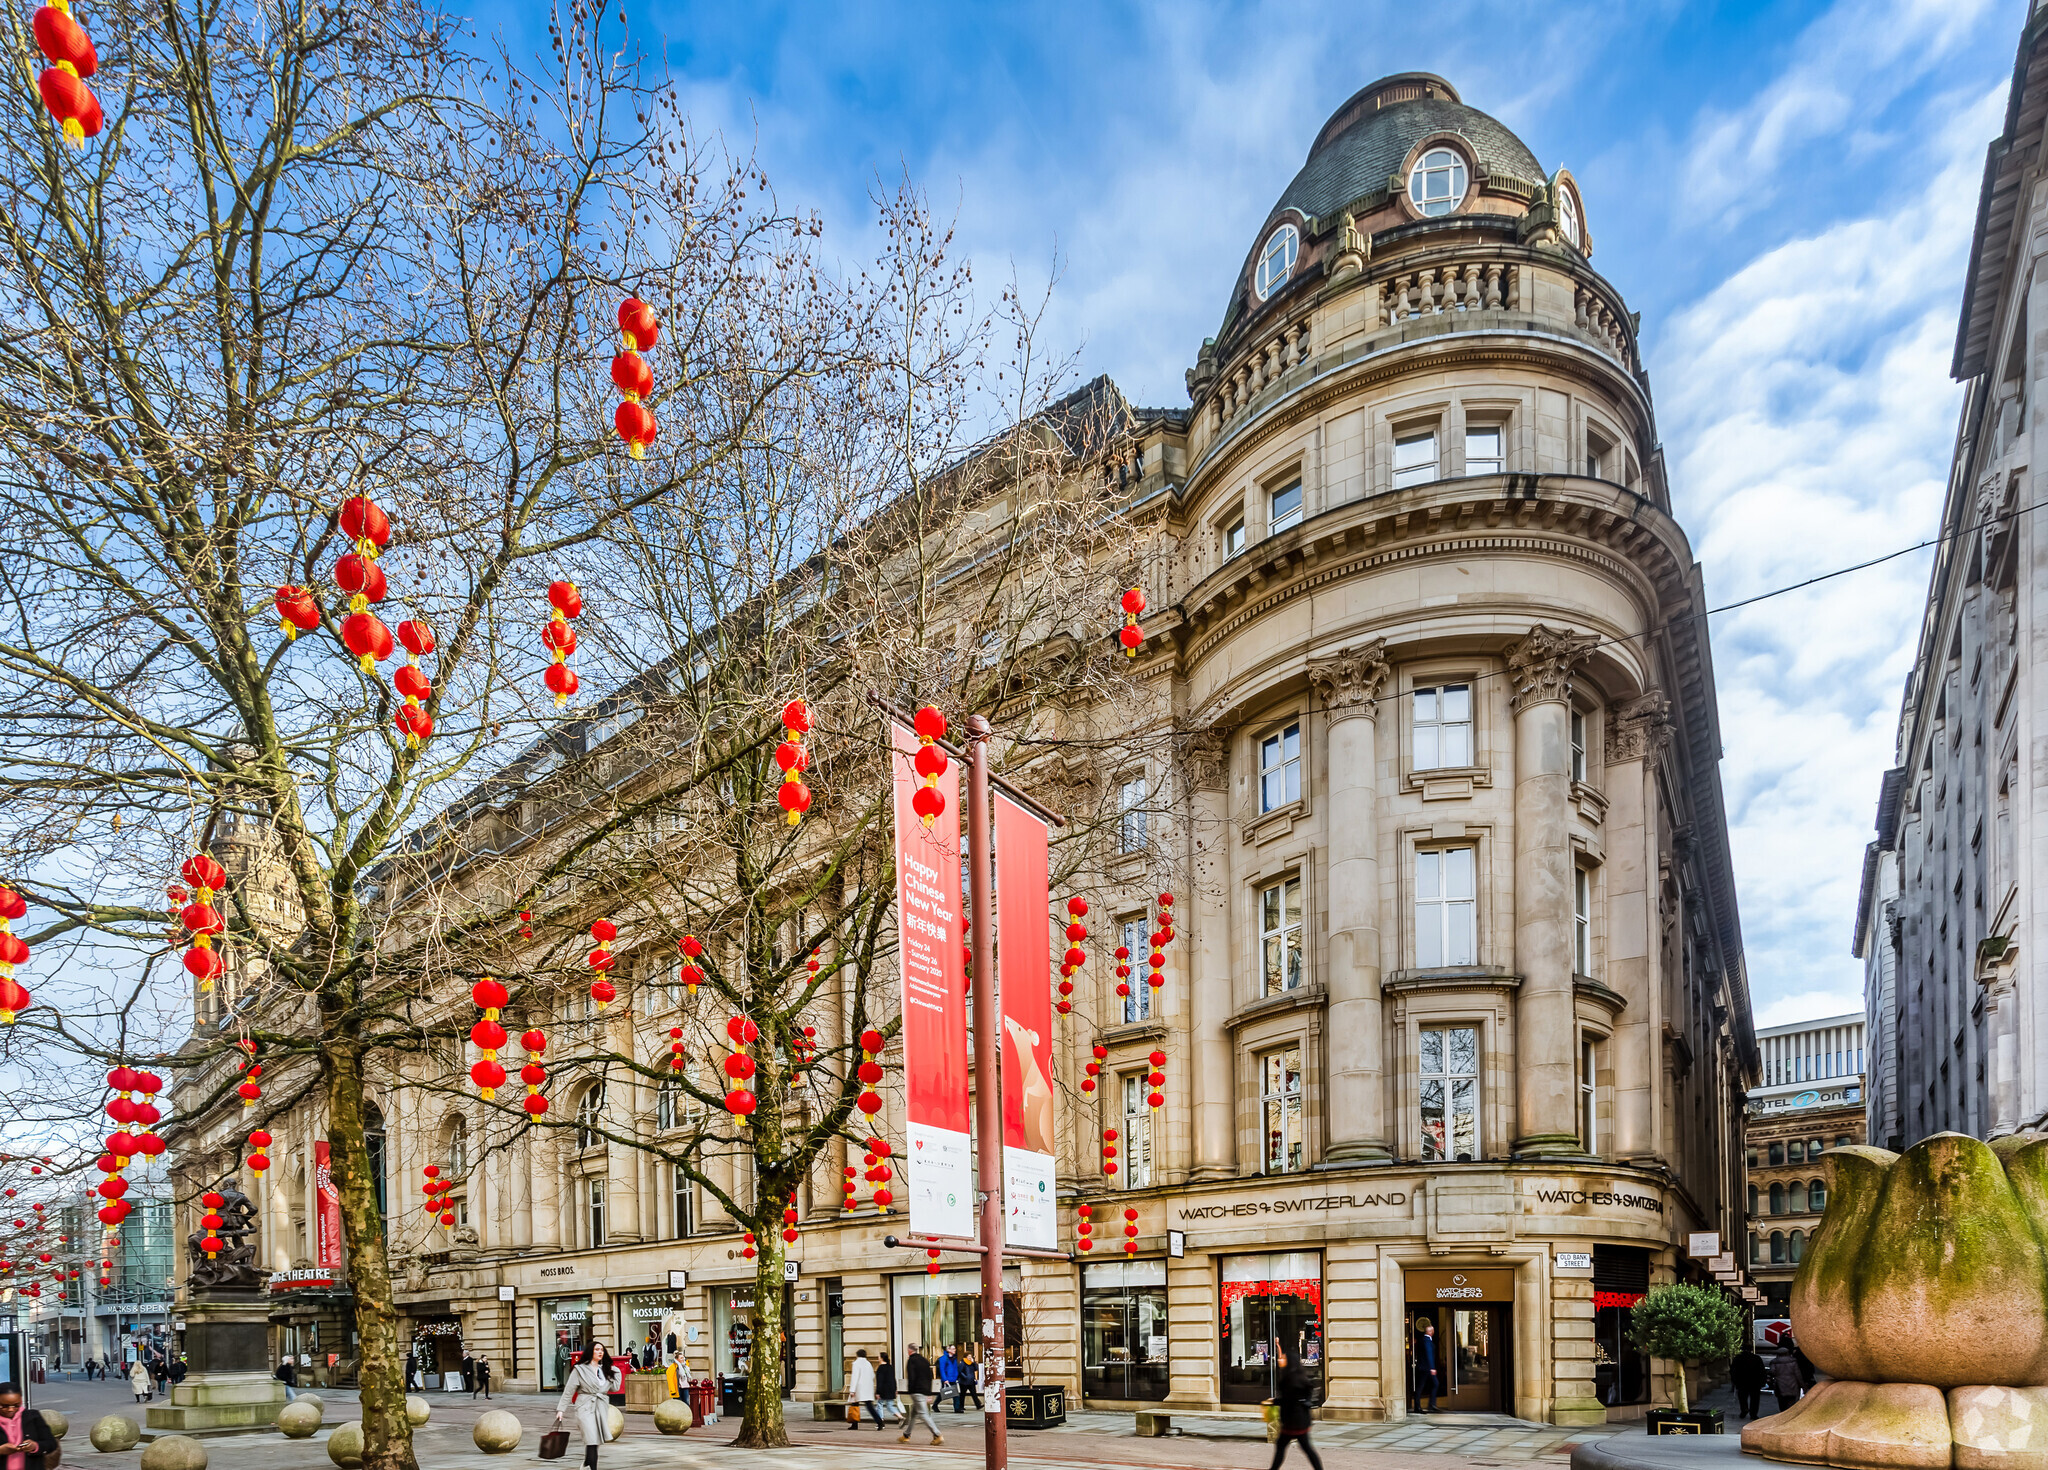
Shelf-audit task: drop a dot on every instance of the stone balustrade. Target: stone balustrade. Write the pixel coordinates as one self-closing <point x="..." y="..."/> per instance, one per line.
<point x="1474" y="286"/>
<point x="1592" y="316"/>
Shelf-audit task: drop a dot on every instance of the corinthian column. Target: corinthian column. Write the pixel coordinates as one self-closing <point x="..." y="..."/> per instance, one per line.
<point x="1209" y="988"/>
<point x="1540" y="673"/>
<point x="1350" y="685"/>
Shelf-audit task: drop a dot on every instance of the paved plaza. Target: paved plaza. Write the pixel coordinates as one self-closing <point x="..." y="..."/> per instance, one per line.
<point x="1203" y="1442"/>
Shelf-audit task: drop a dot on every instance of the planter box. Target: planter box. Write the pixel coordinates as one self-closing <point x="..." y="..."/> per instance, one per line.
<point x="1035" y="1405"/>
<point x="1670" y="1421"/>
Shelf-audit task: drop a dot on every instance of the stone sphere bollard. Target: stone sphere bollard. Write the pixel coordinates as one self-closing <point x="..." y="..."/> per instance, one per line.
<point x="497" y="1432"/>
<point x="673" y="1416"/>
<point x="115" y="1433"/>
<point x="174" y="1452"/>
<point x="417" y="1410"/>
<point x="311" y="1398"/>
<point x="614" y="1422"/>
<point x="345" y="1445"/>
<point x="60" y="1424"/>
<point x="298" y="1419"/>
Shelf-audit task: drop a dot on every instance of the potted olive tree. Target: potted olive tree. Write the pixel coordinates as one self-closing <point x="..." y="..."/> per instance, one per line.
<point x="1688" y="1325"/>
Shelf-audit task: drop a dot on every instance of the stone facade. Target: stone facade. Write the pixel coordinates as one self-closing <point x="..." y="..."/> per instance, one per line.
<point x="1456" y="1019"/>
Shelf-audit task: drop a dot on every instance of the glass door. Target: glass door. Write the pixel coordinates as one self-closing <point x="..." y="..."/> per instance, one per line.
<point x="1123" y="1342"/>
<point x="1471" y="1362"/>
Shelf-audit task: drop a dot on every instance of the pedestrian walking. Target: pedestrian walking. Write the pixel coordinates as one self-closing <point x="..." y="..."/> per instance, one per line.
<point x="26" y="1442"/>
<point x="860" y="1391"/>
<point x="588" y="1391"/>
<point x="948" y="1370"/>
<point x="970" y="1380"/>
<point x="1297" y="1413"/>
<point x="289" y="1377"/>
<point x="885" y="1392"/>
<point x="1426" y="1365"/>
<point x="483" y="1377"/>
<point x="469" y="1374"/>
<point x="917" y="1377"/>
<point x="161" y="1369"/>
<point x="1785" y="1384"/>
<point x="412" y="1372"/>
<point x="139" y="1380"/>
<point x="1746" y="1374"/>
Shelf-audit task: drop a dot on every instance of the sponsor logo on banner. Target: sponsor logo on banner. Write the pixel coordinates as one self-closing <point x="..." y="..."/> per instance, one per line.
<point x="931" y="930"/>
<point x="1024" y="966"/>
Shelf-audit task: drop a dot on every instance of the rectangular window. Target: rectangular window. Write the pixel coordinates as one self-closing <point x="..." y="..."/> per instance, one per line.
<point x="1414" y="459"/>
<point x="1589" y="1078"/>
<point x="664" y="1108"/>
<point x="1130" y="823"/>
<point x="1444" y="907"/>
<point x="1138" y="1002"/>
<point x="1286" y="1148"/>
<point x="1233" y="539"/>
<point x="1578" y="745"/>
<point x="1280" y="769"/>
<point x="1450" y="1092"/>
<point x="1483" y="451"/>
<point x="1582" y="922"/>
<point x="1597" y="452"/>
<point x="1280" y="935"/>
<point x="1137" y="1126"/>
<point x="684" y="1217"/>
<point x="1283" y="509"/>
<point x="1443" y="726"/>
<point x="596" y="1212"/>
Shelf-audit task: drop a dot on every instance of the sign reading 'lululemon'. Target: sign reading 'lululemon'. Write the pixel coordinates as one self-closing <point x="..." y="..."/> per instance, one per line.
<point x="1024" y="964"/>
<point x="931" y="931"/>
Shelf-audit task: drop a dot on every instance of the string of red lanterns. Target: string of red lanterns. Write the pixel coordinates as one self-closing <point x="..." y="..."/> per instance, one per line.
<point x="1075" y="957"/>
<point x="1131" y="635"/>
<point x="201" y="919"/>
<point x="693" y="950"/>
<point x="1109" y="1150"/>
<point x="211" y="1222"/>
<point x="1093" y="1069"/>
<point x="1155" y="1080"/>
<point x="794" y="756"/>
<point x="249" y="1091"/>
<point x="930" y="762"/>
<point x="564" y="603"/>
<point x="747" y="1245"/>
<point x="739" y="1067"/>
<point x="675" y="1050"/>
<point x="601" y="959"/>
<point x="869" y="1072"/>
<point x="62" y="83"/>
<point x="880" y="1172"/>
<point x="1130" y="1231"/>
<point x="533" y="1074"/>
<point x="436" y="1188"/>
<point x="411" y="681"/>
<point x="789" y="1216"/>
<point x="13" y="951"/>
<point x="362" y="632"/>
<point x="633" y="420"/>
<point x="1084" y="1227"/>
<point x="258" y="1159"/>
<point x="488" y="1035"/>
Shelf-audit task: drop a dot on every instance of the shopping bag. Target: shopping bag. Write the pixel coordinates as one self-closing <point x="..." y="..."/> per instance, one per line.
<point x="554" y="1444"/>
<point x="853" y="1413"/>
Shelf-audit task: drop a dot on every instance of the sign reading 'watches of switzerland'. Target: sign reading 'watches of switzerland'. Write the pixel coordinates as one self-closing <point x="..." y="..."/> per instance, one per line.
<point x="1024" y="965"/>
<point x="931" y="930"/>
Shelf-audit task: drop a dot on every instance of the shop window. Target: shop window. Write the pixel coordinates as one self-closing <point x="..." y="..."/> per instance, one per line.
<point x="1285" y="1148"/>
<point x="1445" y="907"/>
<point x="1280" y="768"/>
<point x="653" y="1324"/>
<point x="1137" y="1129"/>
<point x="1271" y="1303"/>
<point x="945" y="1311"/>
<point x="1138" y="1003"/>
<point x="1449" y="1066"/>
<point x="563" y="1330"/>
<point x="1621" y="1277"/>
<point x="835" y="1335"/>
<point x="1442" y="726"/>
<point x="1280" y="935"/>
<point x="1123" y="1330"/>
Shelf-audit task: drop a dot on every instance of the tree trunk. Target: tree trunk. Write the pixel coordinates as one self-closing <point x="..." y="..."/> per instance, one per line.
<point x="387" y="1433"/>
<point x="761" y="1426"/>
<point x="1684" y="1401"/>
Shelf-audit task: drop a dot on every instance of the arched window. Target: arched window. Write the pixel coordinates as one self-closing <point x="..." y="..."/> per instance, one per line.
<point x="1276" y="260"/>
<point x="1777" y="1248"/>
<point x="1798" y="1245"/>
<point x="589" y="1112"/>
<point x="1568" y="213"/>
<point x="1777" y="1199"/>
<point x="1817" y="1195"/>
<point x="1437" y="185"/>
<point x="1798" y="1194"/>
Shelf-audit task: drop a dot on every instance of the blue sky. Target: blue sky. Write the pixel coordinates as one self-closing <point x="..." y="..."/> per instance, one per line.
<point x="1784" y="191"/>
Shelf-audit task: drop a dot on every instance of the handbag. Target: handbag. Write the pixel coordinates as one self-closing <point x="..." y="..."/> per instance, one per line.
<point x="554" y="1444"/>
<point x="852" y="1413"/>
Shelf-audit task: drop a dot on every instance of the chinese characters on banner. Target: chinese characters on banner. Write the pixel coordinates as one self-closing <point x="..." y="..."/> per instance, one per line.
<point x="330" y="1206"/>
<point x="1023" y="964"/>
<point x="931" y="932"/>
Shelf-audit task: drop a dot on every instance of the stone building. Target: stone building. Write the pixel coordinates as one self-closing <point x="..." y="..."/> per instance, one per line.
<point x="1955" y="881"/>
<point x="1458" y="1020"/>
<point x="1811" y="1101"/>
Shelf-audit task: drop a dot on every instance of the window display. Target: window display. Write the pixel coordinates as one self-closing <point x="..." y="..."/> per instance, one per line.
<point x="1123" y="1331"/>
<point x="563" y="1332"/>
<point x="1270" y="1302"/>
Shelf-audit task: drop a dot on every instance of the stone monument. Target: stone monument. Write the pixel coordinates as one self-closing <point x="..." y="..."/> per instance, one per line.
<point x="1923" y="1298"/>
<point x="229" y="1386"/>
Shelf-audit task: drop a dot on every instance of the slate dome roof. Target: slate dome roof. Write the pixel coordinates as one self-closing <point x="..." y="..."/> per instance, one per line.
<point x="1366" y="140"/>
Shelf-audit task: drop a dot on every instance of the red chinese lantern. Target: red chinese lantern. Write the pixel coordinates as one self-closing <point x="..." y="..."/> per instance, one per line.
<point x="930" y="762"/>
<point x="741" y="1032"/>
<point x="356" y="573"/>
<point x="632" y="376"/>
<point x="487" y="1035"/>
<point x="1131" y="635"/>
<point x="62" y="84"/>
<point x="638" y="324"/>
<point x="601" y="959"/>
<point x="13" y="951"/>
<point x="564" y="603"/>
<point x="361" y="520"/>
<point x="1094" y="1068"/>
<point x="794" y="757"/>
<point x="691" y="974"/>
<point x="1084" y="1227"/>
<point x="526" y="923"/>
<point x="533" y="1074"/>
<point x="365" y="636"/>
<point x="635" y="424"/>
<point x="297" y="611"/>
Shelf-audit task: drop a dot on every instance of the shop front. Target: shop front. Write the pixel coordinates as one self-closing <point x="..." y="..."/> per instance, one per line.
<point x="1469" y="1311"/>
<point x="437" y="1349"/>
<point x="942" y="1311"/>
<point x="1621" y="1277"/>
<point x="1123" y="1331"/>
<point x="652" y="1324"/>
<point x="562" y="1330"/>
<point x="1271" y="1303"/>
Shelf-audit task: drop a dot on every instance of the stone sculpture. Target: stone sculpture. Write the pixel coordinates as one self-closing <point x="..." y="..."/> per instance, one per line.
<point x="497" y="1432"/>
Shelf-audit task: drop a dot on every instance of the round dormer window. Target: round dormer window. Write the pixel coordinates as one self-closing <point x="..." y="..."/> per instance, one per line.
<point x="1568" y="216"/>
<point x="1437" y="186"/>
<point x="1276" y="261"/>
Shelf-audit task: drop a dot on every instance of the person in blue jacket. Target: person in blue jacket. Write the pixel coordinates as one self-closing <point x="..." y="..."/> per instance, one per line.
<point x="949" y="1376"/>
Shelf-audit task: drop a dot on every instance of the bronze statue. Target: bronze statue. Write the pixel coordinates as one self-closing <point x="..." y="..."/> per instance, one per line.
<point x="234" y="1267"/>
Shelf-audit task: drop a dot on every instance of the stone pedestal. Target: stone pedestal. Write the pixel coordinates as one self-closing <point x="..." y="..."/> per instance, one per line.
<point x="228" y="1387"/>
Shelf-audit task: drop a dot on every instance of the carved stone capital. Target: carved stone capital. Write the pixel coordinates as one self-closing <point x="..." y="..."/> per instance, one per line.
<point x="1203" y="760"/>
<point x="1350" y="683"/>
<point x="1540" y="666"/>
<point x="1639" y="729"/>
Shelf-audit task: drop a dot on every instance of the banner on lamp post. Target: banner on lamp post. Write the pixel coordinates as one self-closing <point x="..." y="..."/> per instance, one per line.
<point x="931" y="932"/>
<point x="330" y="1205"/>
<point x="1023" y="965"/>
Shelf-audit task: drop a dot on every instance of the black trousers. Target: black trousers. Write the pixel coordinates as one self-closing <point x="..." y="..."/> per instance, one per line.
<point x="1280" y="1450"/>
<point x="1749" y="1401"/>
<point x="1785" y="1400"/>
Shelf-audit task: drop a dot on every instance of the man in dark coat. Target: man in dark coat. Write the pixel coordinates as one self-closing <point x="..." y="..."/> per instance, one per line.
<point x="1425" y="1364"/>
<point x="1784" y="1371"/>
<point x="1746" y="1374"/>
<point x="917" y="1382"/>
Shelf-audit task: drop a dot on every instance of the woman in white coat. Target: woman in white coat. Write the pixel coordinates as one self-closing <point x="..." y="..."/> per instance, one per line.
<point x="584" y="1390"/>
<point x="138" y="1379"/>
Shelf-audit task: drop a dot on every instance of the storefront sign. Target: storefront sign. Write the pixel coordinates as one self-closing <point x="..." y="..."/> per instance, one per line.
<point x="304" y="1276"/>
<point x="559" y="1271"/>
<point x="1307" y="1204"/>
<point x="1702" y="1244"/>
<point x="1477" y="1284"/>
<point x="1024" y="965"/>
<point x="508" y="1293"/>
<point x="330" y="1205"/>
<point x="1576" y="1198"/>
<point x="931" y="932"/>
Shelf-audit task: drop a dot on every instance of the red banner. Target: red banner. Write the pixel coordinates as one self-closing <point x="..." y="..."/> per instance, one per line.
<point x="1024" y="965"/>
<point x="931" y="932"/>
<point x="330" y="1206"/>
